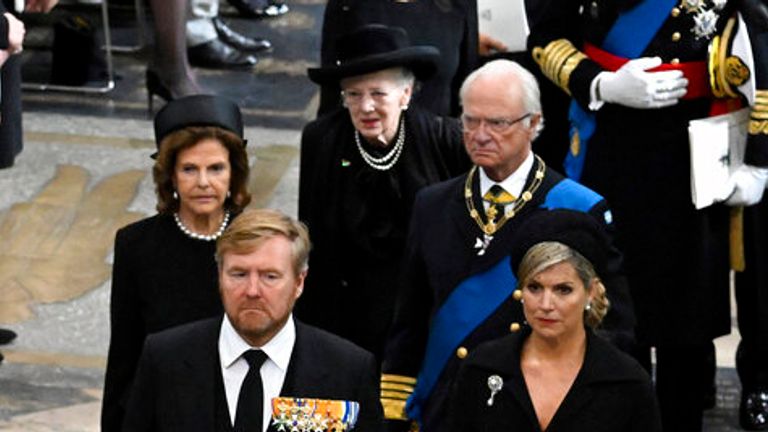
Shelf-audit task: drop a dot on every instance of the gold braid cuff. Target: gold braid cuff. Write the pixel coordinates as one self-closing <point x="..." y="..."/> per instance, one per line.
<point x="558" y="60"/>
<point x="395" y="391"/>
<point x="758" y="119"/>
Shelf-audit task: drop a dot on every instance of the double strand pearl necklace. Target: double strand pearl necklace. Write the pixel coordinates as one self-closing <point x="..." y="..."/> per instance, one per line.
<point x="202" y="237"/>
<point x="388" y="160"/>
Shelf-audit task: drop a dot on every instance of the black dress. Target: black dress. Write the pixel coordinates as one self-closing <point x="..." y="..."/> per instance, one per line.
<point x="449" y="25"/>
<point x="161" y="278"/>
<point x="611" y="392"/>
<point x="358" y="219"/>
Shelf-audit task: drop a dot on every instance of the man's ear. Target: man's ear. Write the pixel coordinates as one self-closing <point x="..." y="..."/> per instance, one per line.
<point x="300" y="283"/>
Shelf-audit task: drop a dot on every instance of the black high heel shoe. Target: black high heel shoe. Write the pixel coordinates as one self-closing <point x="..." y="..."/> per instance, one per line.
<point x="155" y="86"/>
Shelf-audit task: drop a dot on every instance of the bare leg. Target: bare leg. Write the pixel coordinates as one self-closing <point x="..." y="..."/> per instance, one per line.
<point x="169" y="60"/>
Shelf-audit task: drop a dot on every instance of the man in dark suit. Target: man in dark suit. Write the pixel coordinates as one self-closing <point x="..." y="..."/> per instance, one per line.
<point x="198" y="377"/>
<point x="458" y="285"/>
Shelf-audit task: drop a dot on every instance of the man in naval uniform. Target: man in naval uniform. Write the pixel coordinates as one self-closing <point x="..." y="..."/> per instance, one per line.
<point x="637" y="72"/>
<point x="458" y="289"/>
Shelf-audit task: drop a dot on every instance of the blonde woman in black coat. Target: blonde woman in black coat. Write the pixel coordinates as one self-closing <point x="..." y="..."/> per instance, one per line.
<point x="557" y="374"/>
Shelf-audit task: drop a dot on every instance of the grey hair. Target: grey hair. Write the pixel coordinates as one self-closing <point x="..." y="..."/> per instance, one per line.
<point x="506" y="69"/>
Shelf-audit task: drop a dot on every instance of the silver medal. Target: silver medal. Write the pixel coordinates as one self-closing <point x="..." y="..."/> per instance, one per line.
<point x="706" y="23"/>
<point x="483" y="244"/>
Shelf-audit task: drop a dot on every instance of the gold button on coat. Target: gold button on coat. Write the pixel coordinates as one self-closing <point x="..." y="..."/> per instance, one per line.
<point x="675" y="61"/>
<point x="675" y="36"/>
<point x="675" y="12"/>
<point x="514" y="327"/>
<point x="517" y="295"/>
<point x="461" y="352"/>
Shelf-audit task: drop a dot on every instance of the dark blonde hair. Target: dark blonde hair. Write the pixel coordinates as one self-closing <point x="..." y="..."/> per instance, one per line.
<point x="182" y="139"/>
<point x="251" y="228"/>
<point x="543" y="255"/>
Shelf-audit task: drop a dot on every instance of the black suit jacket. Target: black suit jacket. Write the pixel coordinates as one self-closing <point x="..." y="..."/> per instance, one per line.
<point x="175" y="385"/>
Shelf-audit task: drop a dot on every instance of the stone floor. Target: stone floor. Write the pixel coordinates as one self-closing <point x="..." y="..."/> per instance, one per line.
<point x="84" y="172"/>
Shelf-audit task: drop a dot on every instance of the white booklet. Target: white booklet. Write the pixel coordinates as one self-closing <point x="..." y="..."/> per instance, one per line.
<point x="504" y="20"/>
<point x="717" y="150"/>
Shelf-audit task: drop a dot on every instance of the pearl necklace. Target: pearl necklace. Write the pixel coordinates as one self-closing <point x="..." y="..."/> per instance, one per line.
<point x="203" y="237"/>
<point x="388" y="160"/>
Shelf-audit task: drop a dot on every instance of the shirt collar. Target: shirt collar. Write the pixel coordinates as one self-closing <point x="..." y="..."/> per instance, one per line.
<point x="514" y="183"/>
<point x="278" y="349"/>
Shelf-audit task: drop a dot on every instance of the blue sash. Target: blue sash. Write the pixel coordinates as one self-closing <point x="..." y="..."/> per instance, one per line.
<point x="629" y="36"/>
<point x="468" y="306"/>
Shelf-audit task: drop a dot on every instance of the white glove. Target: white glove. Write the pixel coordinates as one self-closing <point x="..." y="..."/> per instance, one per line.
<point x="748" y="184"/>
<point x="632" y="86"/>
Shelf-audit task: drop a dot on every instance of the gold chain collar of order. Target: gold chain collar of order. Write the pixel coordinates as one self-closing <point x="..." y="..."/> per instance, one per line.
<point x="490" y="227"/>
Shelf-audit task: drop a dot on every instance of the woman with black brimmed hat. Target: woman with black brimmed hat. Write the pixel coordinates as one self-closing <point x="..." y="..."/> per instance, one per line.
<point x="448" y="25"/>
<point x="164" y="273"/>
<point x="361" y="167"/>
<point x="556" y="373"/>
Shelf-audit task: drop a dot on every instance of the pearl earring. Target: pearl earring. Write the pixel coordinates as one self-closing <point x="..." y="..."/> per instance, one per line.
<point x="229" y="194"/>
<point x="175" y="195"/>
<point x="404" y="107"/>
<point x="588" y="307"/>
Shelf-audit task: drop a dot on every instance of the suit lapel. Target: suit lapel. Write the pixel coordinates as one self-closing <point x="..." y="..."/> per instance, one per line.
<point x="303" y="375"/>
<point x="197" y="396"/>
<point x="460" y="214"/>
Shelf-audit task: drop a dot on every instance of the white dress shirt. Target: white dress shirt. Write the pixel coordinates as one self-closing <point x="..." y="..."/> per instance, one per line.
<point x="513" y="184"/>
<point x="234" y="367"/>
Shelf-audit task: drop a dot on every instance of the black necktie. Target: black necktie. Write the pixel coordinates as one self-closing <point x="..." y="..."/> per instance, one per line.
<point x="250" y="403"/>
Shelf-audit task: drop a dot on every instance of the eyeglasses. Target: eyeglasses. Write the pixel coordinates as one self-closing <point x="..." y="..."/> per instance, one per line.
<point x="355" y="97"/>
<point x="498" y="125"/>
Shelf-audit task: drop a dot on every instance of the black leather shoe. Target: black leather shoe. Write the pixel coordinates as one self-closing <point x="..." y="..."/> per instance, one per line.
<point x="239" y="41"/>
<point x="259" y="8"/>
<point x="218" y="55"/>
<point x="753" y="410"/>
<point x="6" y="336"/>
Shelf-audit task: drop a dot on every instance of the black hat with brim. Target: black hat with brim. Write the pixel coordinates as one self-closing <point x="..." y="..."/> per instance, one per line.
<point x="376" y="47"/>
<point x="197" y="110"/>
<point x="578" y="230"/>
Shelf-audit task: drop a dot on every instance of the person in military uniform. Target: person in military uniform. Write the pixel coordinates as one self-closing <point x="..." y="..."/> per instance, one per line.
<point x="457" y="284"/>
<point x="637" y="72"/>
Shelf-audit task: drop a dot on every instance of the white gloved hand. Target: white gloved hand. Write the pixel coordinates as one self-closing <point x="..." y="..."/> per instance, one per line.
<point x="632" y="86"/>
<point x="748" y="184"/>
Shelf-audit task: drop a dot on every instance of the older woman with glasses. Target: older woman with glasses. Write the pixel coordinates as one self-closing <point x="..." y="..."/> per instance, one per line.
<point x="361" y="167"/>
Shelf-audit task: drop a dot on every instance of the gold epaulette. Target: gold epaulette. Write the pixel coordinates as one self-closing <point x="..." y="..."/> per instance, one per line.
<point x="758" y="119"/>
<point x="558" y="60"/>
<point x="726" y="71"/>
<point x="395" y="391"/>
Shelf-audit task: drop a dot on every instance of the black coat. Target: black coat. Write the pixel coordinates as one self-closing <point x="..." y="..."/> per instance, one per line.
<point x="358" y="219"/>
<point x="676" y="256"/>
<point x="449" y="25"/>
<point x="611" y="393"/>
<point x="440" y="255"/>
<point x="11" y="142"/>
<point x="161" y="278"/>
<point x="176" y="388"/>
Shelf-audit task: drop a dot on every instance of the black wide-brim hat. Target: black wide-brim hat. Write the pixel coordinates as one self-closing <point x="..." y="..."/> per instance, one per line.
<point x="577" y="230"/>
<point x="376" y="47"/>
<point x="198" y="110"/>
